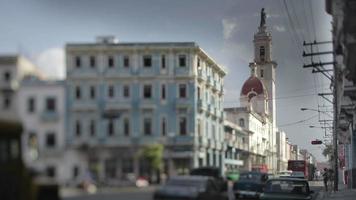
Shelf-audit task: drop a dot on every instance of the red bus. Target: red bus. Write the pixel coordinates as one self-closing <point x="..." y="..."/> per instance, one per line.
<point x="299" y="166"/>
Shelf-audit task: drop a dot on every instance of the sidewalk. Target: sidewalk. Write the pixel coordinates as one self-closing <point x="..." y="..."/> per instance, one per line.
<point x="343" y="194"/>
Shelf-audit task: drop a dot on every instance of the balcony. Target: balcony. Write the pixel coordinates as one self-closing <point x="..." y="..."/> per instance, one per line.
<point x="183" y="140"/>
<point x="221" y="90"/>
<point x="200" y="105"/>
<point x="49" y="116"/>
<point x="209" y="110"/>
<point x="208" y="81"/>
<point x="200" y="75"/>
<point x="215" y="85"/>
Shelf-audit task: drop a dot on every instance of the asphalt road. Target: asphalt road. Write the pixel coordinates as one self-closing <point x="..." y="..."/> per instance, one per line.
<point x="146" y="194"/>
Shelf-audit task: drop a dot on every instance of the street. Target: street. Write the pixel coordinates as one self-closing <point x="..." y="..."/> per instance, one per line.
<point x="146" y="193"/>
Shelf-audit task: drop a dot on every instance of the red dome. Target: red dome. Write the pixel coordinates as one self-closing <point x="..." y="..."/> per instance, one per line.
<point x="252" y="84"/>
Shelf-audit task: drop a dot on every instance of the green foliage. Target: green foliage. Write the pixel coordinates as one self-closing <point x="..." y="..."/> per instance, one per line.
<point x="154" y="155"/>
<point x="328" y="152"/>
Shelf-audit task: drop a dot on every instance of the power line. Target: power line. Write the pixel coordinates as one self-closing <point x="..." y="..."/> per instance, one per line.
<point x="298" y="122"/>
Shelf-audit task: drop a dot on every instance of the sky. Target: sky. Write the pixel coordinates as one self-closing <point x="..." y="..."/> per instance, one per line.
<point x="39" y="29"/>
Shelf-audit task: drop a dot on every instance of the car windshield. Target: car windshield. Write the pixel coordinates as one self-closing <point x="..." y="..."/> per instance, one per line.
<point x="287" y="186"/>
<point x="250" y="176"/>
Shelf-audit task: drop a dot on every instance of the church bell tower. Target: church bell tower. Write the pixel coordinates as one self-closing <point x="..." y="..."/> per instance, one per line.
<point x="266" y="67"/>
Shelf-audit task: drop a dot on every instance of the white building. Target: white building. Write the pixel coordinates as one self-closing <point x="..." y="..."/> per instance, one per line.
<point x="41" y="106"/>
<point x="258" y="107"/>
<point x="282" y="151"/>
<point x="12" y="70"/>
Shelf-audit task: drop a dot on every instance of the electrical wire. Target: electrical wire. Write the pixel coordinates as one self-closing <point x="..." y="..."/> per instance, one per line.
<point x="298" y="122"/>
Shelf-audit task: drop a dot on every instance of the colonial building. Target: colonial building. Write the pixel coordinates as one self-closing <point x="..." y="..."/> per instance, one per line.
<point x="237" y="147"/>
<point x="257" y="99"/>
<point x="12" y="70"/>
<point x="123" y="96"/>
<point x="282" y="151"/>
<point x="41" y="106"/>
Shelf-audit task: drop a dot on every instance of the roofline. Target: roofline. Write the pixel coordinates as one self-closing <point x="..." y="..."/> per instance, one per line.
<point x="144" y="45"/>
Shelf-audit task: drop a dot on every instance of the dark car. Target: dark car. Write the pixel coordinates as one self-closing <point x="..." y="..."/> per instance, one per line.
<point x="190" y="187"/>
<point x="250" y="185"/>
<point x="213" y="172"/>
<point x="287" y="188"/>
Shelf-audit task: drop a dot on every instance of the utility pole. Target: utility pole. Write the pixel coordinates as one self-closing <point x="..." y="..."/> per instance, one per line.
<point x="336" y="125"/>
<point x="319" y="68"/>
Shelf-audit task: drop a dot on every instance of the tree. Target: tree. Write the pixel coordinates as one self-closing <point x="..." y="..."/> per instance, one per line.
<point x="154" y="155"/>
<point x="328" y="152"/>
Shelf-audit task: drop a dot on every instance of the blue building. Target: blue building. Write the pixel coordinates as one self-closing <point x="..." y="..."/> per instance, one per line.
<point x="124" y="96"/>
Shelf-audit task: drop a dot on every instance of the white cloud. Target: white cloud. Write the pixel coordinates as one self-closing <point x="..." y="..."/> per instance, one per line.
<point x="229" y="27"/>
<point x="279" y="28"/>
<point x="51" y="63"/>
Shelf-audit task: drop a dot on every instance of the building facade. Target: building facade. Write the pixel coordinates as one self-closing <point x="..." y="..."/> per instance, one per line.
<point x="12" y="70"/>
<point x="41" y="105"/>
<point x="282" y="151"/>
<point x="124" y="96"/>
<point x="237" y="147"/>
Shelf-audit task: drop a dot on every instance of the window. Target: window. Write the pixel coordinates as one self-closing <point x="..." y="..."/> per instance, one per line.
<point x="183" y="126"/>
<point x="7" y="76"/>
<point x="111" y="91"/>
<point x="51" y="171"/>
<point x="78" y="128"/>
<point x="242" y="122"/>
<point x="111" y="127"/>
<point x="147" y="91"/>
<point x="6" y="103"/>
<point x="182" y="60"/>
<point x="262" y="53"/>
<point x="147" y="126"/>
<point x="127" y="165"/>
<point x="77" y="62"/>
<point x="199" y="93"/>
<point x="126" y="127"/>
<point x="75" y="171"/>
<point x="147" y="61"/>
<point x="182" y="90"/>
<point x="164" y="127"/>
<point x="51" y="104"/>
<point x="78" y="94"/>
<point x="126" y="61"/>
<point x="50" y="140"/>
<point x="163" y="62"/>
<point x="110" y="61"/>
<point x="92" y="127"/>
<point x="92" y="92"/>
<point x="92" y="61"/>
<point x="198" y="63"/>
<point x="31" y="105"/>
<point x="262" y="73"/>
<point x="126" y="91"/>
<point x="163" y="92"/>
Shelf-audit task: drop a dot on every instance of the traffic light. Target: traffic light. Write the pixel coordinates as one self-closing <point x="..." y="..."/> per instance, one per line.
<point x="314" y="142"/>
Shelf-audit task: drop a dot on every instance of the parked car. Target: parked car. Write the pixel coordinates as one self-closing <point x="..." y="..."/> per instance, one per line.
<point x="212" y="172"/>
<point x="190" y="187"/>
<point x="286" y="188"/>
<point x="284" y="174"/>
<point x="250" y="185"/>
<point x="297" y="174"/>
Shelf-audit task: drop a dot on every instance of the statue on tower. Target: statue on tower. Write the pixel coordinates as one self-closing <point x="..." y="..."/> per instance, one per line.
<point x="263" y="18"/>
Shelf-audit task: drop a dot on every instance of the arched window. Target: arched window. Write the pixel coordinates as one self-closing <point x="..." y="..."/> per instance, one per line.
<point x="242" y="122"/>
<point x="262" y="53"/>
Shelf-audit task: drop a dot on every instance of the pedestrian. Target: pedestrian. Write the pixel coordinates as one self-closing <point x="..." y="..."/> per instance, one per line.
<point x="331" y="178"/>
<point x="326" y="178"/>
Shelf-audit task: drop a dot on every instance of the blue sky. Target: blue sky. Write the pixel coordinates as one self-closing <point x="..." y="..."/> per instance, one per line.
<point x="39" y="29"/>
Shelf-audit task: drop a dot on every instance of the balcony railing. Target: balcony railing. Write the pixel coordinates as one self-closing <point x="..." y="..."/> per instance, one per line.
<point x="208" y="81"/>
<point x="49" y="116"/>
<point x="200" y="75"/>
